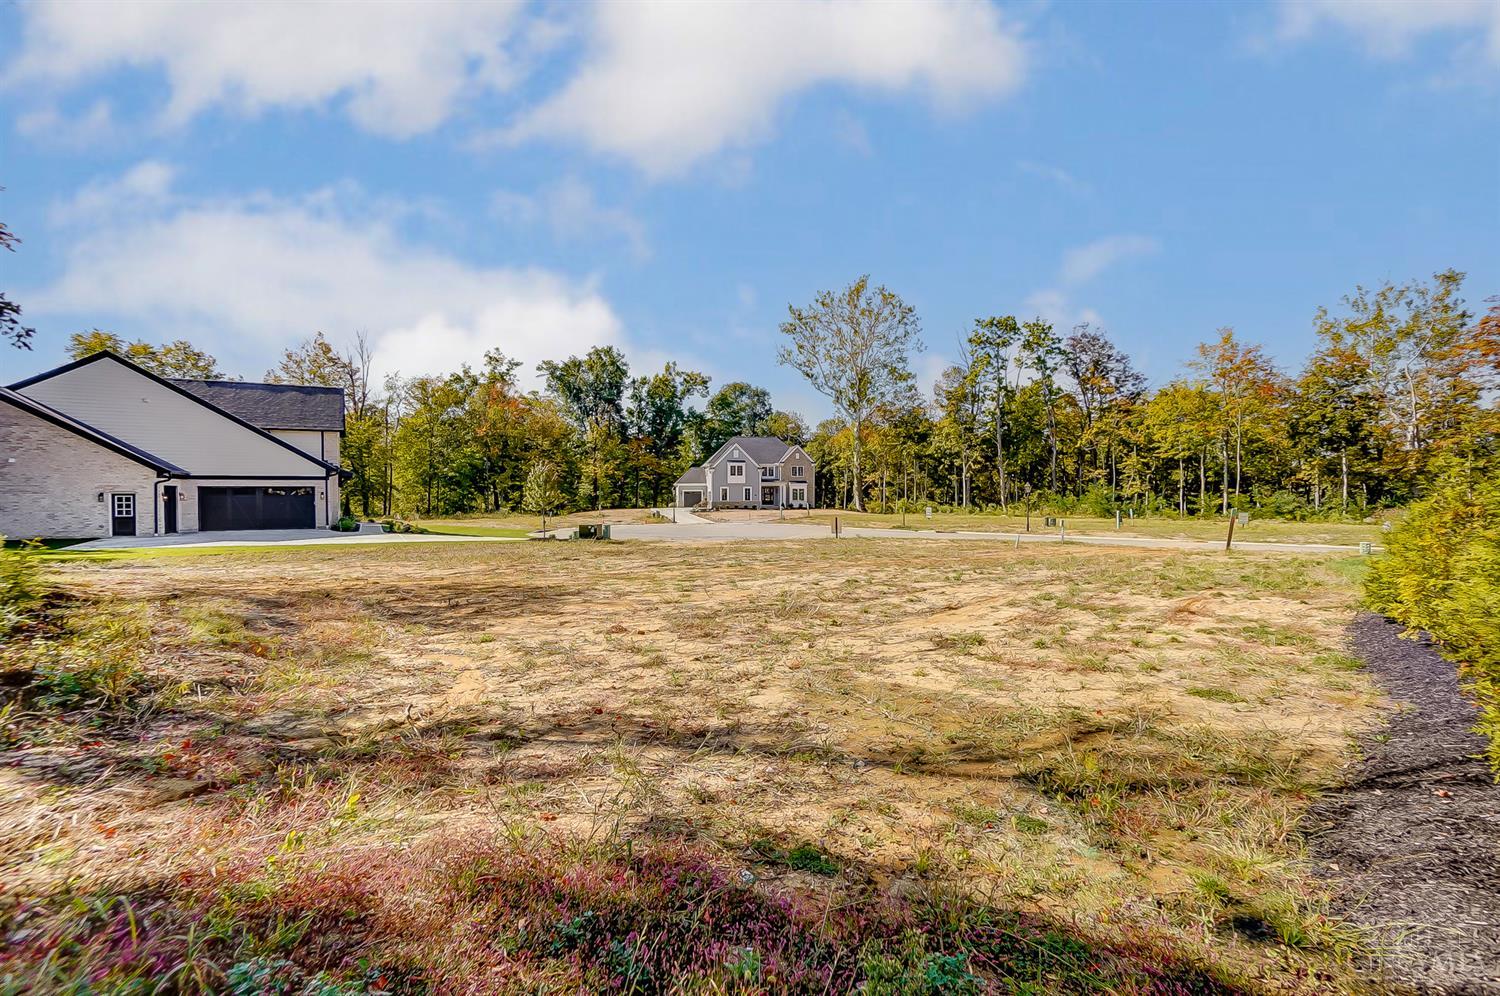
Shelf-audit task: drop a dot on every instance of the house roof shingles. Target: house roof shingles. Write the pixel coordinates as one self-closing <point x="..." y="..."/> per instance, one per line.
<point x="273" y="406"/>
<point x="762" y="449"/>
<point x="693" y="475"/>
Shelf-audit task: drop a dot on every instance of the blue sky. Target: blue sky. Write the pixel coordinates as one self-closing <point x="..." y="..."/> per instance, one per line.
<point x="454" y="178"/>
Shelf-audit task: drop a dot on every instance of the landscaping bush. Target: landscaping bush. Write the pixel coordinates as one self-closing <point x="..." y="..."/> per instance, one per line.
<point x="1441" y="573"/>
<point x="346" y="524"/>
<point x="400" y="526"/>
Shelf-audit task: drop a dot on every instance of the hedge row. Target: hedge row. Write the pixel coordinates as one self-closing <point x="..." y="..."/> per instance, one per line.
<point x="1441" y="574"/>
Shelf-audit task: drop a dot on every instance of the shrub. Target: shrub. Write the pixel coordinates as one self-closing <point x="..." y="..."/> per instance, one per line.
<point x="346" y="524"/>
<point x="1441" y="573"/>
<point x="20" y="586"/>
<point x="400" y="526"/>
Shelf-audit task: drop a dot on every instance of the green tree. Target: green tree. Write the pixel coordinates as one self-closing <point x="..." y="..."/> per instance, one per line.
<point x="178" y="358"/>
<point x="1106" y="385"/>
<point x="1428" y="364"/>
<point x="993" y="344"/>
<point x="541" y="494"/>
<point x="1043" y="354"/>
<point x="658" y="416"/>
<point x="11" y="329"/>
<point x="736" y="409"/>
<point x="1246" y="388"/>
<point x="1176" y="426"/>
<point x="1335" y="421"/>
<point x="591" y="388"/>
<point x="787" y="426"/>
<point x="854" y="347"/>
<point x="960" y="401"/>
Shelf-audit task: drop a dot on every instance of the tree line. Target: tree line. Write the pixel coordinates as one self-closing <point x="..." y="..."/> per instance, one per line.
<point x="1401" y="378"/>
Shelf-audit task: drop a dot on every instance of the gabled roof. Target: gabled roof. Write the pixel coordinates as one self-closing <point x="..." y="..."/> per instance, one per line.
<point x="105" y="354"/>
<point x="64" y="421"/>
<point x="693" y="475"/>
<point x="762" y="450"/>
<point x="273" y="406"/>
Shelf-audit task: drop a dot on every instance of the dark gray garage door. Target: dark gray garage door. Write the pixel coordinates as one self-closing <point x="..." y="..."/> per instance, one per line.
<point x="256" y="508"/>
<point x="692" y="499"/>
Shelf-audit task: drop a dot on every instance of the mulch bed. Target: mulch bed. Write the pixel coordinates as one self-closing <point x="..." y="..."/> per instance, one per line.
<point x="1414" y="840"/>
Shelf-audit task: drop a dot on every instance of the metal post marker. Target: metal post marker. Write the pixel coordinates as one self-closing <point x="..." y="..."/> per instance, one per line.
<point x="1229" y="540"/>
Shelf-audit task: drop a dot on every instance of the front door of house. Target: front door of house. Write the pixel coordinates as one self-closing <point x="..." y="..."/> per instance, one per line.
<point x="122" y="515"/>
<point x="768" y="496"/>
<point x="169" y="508"/>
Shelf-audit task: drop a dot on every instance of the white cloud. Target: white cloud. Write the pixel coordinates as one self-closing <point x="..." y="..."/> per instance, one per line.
<point x="94" y="126"/>
<point x="660" y="84"/>
<point x="146" y="186"/>
<point x="665" y="85"/>
<point x="1056" y="174"/>
<point x="398" y="68"/>
<point x="1084" y="263"/>
<point x="247" y="277"/>
<point x="1057" y="307"/>
<point x="1391" y="28"/>
<point x="570" y="209"/>
<point x="1079" y="266"/>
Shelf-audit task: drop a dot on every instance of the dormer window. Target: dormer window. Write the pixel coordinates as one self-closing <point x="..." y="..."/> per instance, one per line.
<point x="736" y="472"/>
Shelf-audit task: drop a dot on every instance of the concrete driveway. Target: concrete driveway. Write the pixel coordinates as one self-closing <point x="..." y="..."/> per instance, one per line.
<point x="277" y="537"/>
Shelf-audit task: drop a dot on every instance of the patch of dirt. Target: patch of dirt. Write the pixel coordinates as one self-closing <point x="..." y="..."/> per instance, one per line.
<point x="1415" y="839"/>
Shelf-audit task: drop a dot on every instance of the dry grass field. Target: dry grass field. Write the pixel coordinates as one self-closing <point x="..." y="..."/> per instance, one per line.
<point x="1160" y="526"/>
<point x="653" y="767"/>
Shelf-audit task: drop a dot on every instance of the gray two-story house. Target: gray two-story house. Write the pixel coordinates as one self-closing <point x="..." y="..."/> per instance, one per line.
<point x="750" y="472"/>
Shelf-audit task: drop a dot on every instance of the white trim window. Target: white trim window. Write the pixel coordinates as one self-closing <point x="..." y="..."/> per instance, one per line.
<point x="123" y="506"/>
<point x="723" y="494"/>
<point x="736" y="472"/>
<point x="799" y="494"/>
<point x="747" y="494"/>
<point x="797" y="470"/>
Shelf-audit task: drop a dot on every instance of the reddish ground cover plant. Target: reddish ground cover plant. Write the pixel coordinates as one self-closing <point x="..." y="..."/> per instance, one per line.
<point x="478" y="914"/>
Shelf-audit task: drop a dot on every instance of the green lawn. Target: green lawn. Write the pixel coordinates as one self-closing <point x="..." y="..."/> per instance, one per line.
<point x="449" y="528"/>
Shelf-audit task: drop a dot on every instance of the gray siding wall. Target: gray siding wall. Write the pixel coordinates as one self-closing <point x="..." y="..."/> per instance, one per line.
<point x="51" y="489"/>
<point x="323" y="445"/>
<point x="799" y="459"/>
<point x="719" y="478"/>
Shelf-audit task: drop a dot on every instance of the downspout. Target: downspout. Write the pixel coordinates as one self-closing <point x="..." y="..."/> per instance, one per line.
<point x="323" y="455"/>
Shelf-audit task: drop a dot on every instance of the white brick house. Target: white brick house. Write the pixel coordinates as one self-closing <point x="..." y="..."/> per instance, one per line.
<point x="749" y="472"/>
<point x="101" y="447"/>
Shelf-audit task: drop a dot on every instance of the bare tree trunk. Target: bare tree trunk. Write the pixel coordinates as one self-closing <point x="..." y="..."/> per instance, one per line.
<point x="1000" y="456"/>
<point x="1344" y="479"/>
<point x="1239" y="436"/>
<point x="1224" y="477"/>
<point x="1181" y="488"/>
<point x="1202" y="479"/>
<point x="858" y="448"/>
